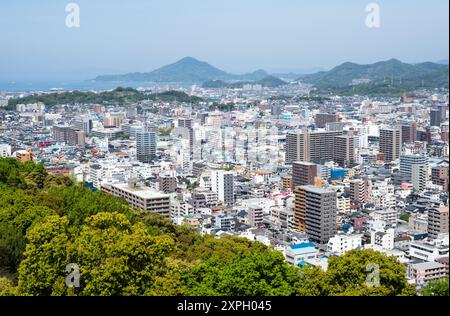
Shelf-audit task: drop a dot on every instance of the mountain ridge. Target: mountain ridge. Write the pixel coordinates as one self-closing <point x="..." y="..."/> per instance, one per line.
<point x="425" y="73"/>
<point x="390" y="75"/>
<point x="187" y="69"/>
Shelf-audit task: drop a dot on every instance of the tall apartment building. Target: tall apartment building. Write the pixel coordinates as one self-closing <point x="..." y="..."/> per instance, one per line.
<point x="297" y="147"/>
<point x="359" y="190"/>
<point x="439" y="175"/>
<point x="222" y="183"/>
<point x="414" y="170"/>
<point x="83" y="123"/>
<point x="145" y="145"/>
<point x="391" y="143"/>
<point x="303" y="173"/>
<point x="68" y="135"/>
<point x="187" y="124"/>
<point x="317" y="146"/>
<point x="167" y="183"/>
<point x="435" y="117"/>
<point x="409" y="133"/>
<point x="438" y="222"/>
<point x="321" y="145"/>
<point x="113" y="119"/>
<point x="344" y="150"/>
<point x="315" y="213"/>
<point x="322" y="119"/>
<point x="255" y="216"/>
<point x="142" y="198"/>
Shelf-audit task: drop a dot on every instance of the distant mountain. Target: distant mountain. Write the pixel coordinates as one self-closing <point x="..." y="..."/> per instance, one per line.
<point x="443" y="62"/>
<point x="424" y="74"/>
<point x="187" y="70"/>
<point x="253" y="76"/>
<point x="271" y="82"/>
<point x="268" y="81"/>
<point x="289" y="76"/>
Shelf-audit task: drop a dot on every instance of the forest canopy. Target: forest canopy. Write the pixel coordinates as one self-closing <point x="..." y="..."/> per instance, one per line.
<point x="48" y="223"/>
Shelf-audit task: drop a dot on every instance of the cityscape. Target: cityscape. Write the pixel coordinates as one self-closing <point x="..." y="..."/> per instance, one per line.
<point x="190" y="180"/>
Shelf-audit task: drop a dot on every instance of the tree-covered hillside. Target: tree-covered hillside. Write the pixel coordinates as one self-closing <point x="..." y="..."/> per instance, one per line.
<point x="120" y="96"/>
<point x="49" y="222"/>
<point x="391" y="77"/>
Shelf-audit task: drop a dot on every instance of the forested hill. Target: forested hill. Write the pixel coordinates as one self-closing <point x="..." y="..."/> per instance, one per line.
<point x="48" y="222"/>
<point x="381" y="78"/>
<point x="122" y="96"/>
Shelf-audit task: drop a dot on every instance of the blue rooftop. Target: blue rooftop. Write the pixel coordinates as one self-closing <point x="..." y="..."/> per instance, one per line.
<point x="303" y="245"/>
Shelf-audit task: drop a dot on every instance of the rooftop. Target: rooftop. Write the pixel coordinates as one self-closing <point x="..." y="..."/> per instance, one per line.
<point x="313" y="189"/>
<point x="427" y="265"/>
<point x="142" y="192"/>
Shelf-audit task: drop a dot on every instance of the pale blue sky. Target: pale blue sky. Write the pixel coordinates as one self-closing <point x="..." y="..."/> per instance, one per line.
<point x="234" y="35"/>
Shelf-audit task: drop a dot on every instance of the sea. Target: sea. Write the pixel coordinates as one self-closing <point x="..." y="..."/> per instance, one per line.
<point x="44" y="86"/>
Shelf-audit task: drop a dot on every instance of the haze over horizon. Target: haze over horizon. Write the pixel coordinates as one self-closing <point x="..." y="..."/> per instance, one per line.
<point x="235" y="36"/>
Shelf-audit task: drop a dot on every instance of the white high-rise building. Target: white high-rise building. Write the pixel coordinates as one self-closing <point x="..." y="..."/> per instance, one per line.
<point x="222" y="183"/>
<point x="414" y="170"/>
<point x="145" y="144"/>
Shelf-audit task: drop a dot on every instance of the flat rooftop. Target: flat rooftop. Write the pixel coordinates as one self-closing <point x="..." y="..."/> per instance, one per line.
<point x="317" y="190"/>
<point x="427" y="265"/>
<point x="140" y="191"/>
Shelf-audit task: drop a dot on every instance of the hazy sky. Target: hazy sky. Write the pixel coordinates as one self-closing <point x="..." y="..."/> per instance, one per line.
<point x="118" y="36"/>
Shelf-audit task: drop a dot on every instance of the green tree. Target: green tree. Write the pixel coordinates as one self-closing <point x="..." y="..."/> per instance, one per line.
<point x="115" y="257"/>
<point x="6" y="287"/>
<point x="359" y="273"/>
<point x="436" y="288"/>
<point x="257" y="273"/>
<point x="45" y="257"/>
